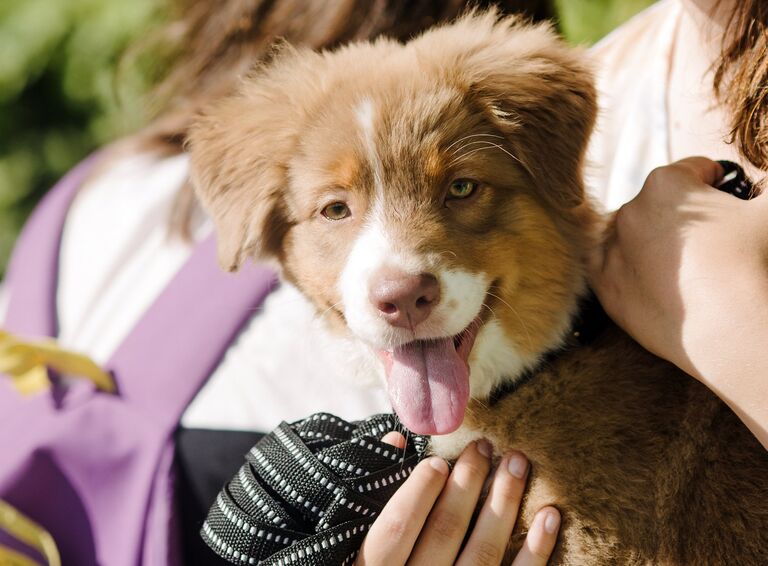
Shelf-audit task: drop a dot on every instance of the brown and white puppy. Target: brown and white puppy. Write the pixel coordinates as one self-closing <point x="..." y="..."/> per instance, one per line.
<point x="430" y="196"/>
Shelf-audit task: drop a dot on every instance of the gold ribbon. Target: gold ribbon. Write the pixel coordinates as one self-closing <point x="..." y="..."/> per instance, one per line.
<point x="27" y="364"/>
<point x="9" y="557"/>
<point x="30" y="533"/>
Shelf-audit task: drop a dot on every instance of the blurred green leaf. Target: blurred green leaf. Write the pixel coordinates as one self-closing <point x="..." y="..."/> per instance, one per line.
<point x="586" y="21"/>
<point x="59" y="92"/>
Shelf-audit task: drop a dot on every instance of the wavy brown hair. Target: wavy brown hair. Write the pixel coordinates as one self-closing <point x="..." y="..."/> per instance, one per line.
<point x="219" y="41"/>
<point x="741" y="79"/>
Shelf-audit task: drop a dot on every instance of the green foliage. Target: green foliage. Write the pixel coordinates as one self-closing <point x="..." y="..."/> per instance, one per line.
<point x="58" y="101"/>
<point x="586" y="21"/>
<point x="67" y="85"/>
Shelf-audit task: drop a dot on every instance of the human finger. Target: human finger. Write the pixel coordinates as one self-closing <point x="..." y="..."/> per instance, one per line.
<point x="444" y="531"/>
<point x="394" y="532"/>
<point x="540" y="540"/>
<point x="703" y="168"/>
<point x="497" y="518"/>
<point x="395" y="439"/>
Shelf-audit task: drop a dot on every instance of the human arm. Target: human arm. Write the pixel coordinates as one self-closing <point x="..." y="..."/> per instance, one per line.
<point x="426" y="520"/>
<point x="684" y="271"/>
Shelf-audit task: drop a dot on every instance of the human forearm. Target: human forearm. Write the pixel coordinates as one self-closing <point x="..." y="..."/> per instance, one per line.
<point x="684" y="272"/>
<point x="732" y="357"/>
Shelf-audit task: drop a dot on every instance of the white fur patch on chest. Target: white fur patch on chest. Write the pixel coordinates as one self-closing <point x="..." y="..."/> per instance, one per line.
<point x="495" y="359"/>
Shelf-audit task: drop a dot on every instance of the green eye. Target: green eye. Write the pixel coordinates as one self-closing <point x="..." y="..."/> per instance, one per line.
<point x="461" y="188"/>
<point x="336" y="211"/>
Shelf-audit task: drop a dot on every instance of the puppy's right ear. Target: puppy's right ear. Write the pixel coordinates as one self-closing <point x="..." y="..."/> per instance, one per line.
<point x="240" y="151"/>
<point x="238" y="176"/>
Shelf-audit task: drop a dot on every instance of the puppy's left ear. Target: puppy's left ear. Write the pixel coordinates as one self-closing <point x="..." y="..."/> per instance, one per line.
<point x="238" y="182"/>
<point x="239" y="153"/>
<point x="538" y="91"/>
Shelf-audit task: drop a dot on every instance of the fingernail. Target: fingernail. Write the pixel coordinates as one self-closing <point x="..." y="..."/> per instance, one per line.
<point x="551" y="522"/>
<point x="484" y="447"/>
<point x="517" y="465"/>
<point x="439" y="464"/>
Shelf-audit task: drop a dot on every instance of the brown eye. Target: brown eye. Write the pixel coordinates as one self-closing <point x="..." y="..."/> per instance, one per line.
<point x="336" y="211"/>
<point x="462" y="188"/>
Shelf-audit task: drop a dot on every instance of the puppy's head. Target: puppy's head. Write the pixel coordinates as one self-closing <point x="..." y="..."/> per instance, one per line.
<point x="427" y="197"/>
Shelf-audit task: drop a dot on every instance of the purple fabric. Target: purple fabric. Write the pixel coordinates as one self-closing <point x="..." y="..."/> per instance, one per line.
<point x="40" y="239"/>
<point x="96" y="469"/>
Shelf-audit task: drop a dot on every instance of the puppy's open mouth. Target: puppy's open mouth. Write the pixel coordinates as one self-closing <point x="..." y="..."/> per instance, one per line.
<point x="428" y="380"/>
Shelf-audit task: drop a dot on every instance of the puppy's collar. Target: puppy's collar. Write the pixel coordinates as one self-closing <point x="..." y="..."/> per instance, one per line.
<point x="588" y="324"/>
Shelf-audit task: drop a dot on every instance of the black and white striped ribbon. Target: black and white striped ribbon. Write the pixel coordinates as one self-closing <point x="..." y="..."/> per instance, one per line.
<point x="309" y="491"/>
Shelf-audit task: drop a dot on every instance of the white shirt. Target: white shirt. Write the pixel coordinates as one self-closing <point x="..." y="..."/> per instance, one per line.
<point x="631" y="137"/>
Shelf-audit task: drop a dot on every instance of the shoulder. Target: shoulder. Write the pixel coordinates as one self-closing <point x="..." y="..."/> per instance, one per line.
<point x="138" y="176"/>
<point x="631" y="46"/>
<point x="631" y="65"/>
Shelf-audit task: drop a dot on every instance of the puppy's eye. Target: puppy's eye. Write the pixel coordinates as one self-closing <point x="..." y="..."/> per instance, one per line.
<point x="462" y="188"/>
<point x="336" y="211"/>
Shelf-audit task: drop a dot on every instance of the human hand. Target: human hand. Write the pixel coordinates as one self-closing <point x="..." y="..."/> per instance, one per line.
<point x="426" y="520"/>
<point x="683" y="271"/>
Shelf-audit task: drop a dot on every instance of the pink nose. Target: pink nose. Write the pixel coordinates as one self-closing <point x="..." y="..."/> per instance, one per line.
<point x="403" y="299"/>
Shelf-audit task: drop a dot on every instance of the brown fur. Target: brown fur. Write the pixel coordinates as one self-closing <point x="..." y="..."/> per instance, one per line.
<point x="646" y="465"/>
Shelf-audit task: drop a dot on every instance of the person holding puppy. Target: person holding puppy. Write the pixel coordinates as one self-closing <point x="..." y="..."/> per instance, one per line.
<point x="679" y="322"/>
<point x="684" y="270"/>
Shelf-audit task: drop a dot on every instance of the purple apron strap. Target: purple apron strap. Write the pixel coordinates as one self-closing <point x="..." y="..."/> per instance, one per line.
<point x="176" y="344"/>
<point x="179" y="341"/>
<point x="34" y="267"/>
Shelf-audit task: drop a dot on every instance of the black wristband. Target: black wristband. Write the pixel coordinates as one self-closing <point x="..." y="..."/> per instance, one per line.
<point x="735" y="181"/>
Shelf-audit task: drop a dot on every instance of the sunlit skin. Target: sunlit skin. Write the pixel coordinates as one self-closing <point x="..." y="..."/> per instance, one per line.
<point x="695" y="292"/>
<point x="685" y="275"/>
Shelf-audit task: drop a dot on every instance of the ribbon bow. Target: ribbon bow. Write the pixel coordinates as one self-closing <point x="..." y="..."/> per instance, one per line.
<point x="27" y="364"/>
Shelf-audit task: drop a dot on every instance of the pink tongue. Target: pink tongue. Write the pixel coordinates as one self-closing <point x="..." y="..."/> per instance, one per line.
<point x="429" y="386"/>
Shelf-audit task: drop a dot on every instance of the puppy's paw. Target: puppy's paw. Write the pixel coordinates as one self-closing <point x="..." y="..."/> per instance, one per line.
<point x="449" y="446"/>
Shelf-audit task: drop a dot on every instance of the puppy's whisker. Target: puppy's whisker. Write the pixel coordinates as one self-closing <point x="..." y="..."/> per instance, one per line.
<point x="505" y="150"/>
<point x="472" y="136"/>
<point x="466" y="145"/>
<point x="326" y="311"/>
<point x="458" y="153"/>
<point x="457" y="159"/>
<point x="447" y="252"/>
<point x="489" y="309"/>
<point x="519" y="318"/>
<point x="490" y="145"/>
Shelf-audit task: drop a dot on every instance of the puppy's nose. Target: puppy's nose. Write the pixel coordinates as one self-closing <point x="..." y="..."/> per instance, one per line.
<point x="404" y="299"/>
